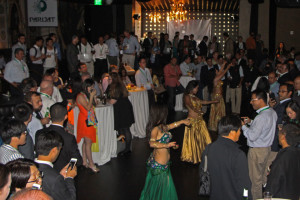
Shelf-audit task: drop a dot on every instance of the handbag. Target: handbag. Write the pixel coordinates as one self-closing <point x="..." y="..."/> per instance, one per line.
<point x="204" y="189"/>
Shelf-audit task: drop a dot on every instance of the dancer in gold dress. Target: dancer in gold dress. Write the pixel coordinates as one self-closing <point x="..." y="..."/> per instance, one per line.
<point x="217" y="111"/>
<point x="196" y="136"/>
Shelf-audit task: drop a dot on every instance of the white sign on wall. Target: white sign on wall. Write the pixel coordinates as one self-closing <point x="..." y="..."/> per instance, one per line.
<point x="42" y="12"/>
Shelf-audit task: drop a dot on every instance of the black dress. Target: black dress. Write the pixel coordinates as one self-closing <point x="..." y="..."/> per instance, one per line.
<point x="123" y="113"/>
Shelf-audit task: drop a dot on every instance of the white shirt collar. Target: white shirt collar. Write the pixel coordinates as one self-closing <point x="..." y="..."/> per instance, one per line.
<point x="262" y="109"/>
<point x="57" y="125"/>
<point x="44" y="162"/>
<point x="282" y="101"/>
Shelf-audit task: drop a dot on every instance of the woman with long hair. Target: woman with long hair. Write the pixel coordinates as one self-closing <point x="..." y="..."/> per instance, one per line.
<point x="24" y="173"/>
<point x="87" y="122"/>
<point x="281" y="50"/>
<point x="123" y="111"/>
<point x="159" y="183"/>
<point x="124" y="77"/>
<point x="5" y="181"/>
<point x="217" y="110"/>
<point x="293" y="113"/>
<point x="196" y="136"/>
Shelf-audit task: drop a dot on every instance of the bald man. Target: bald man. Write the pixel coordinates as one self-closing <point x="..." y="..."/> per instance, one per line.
<point x="296" y="96"/>
<point x="46" y="90"/>
<point x="56" y="96"/>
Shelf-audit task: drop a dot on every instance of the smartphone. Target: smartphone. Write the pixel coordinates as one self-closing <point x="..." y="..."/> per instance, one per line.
<point x="36" y="186"/>
<point x="72" y="163"/>
<point x="272" y="96"/>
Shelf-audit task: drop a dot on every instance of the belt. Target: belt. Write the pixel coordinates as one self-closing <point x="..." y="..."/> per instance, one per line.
<point x="100" y="58"/>
<point x="129" y="53"/>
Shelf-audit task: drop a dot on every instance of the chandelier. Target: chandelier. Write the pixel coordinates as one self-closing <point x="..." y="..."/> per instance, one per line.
<point x="155" y="17"/>
<point x="177" y="12"/>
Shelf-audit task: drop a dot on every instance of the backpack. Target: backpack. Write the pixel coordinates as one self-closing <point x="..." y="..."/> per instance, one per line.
<point x="45" y="49"/>
<point x="28" y="55"/>
<point x="79" y="46"/>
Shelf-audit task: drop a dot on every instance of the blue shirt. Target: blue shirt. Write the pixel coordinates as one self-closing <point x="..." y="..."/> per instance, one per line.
<point x="262" y="129"/>
<point x="57" y="47"/>
<point x="131" y="45"/>
<point x="275" y="88"/>
<point x="113" y="47"/>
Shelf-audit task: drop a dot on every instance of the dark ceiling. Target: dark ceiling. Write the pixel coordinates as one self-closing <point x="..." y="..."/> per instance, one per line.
<point x="197" y="5"/>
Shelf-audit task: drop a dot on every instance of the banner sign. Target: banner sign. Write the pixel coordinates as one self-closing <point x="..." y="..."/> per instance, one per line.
<point x="42" y="12"/>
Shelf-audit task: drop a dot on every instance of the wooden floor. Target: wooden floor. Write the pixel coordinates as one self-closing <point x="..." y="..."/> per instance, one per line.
<point x="124" y="178"/>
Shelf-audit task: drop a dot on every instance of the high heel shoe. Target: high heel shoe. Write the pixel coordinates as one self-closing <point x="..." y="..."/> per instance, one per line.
<point x="95" y="169"/>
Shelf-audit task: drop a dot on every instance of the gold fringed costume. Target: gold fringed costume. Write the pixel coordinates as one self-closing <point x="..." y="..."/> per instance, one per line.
<point x="217" y="110"/>
<point x="196" y="137"/>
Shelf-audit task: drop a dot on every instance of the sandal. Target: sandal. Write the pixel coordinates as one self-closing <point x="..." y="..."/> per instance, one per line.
<point x="95" y="169"/>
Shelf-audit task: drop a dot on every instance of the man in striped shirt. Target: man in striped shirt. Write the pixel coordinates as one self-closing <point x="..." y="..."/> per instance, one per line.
<point x="13" y="135"/>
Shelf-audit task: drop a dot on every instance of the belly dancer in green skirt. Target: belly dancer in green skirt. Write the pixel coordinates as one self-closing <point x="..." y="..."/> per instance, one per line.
<point x="159" y="183"/>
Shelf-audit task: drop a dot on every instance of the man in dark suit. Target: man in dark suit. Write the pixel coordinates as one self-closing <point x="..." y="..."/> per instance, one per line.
<point x="284" y="74"/>
<point x="59" y="115"/>
<point x="227" y="164"/>
<point x="203" y="46"/>
<point x="285" y="93"/>
<point x="147" y="44"/>
<point x="59" y="185"/>
<point x="284" y="177"/>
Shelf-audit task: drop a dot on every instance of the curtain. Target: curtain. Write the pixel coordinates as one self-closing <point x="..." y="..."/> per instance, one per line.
<point x="199" y="28"/>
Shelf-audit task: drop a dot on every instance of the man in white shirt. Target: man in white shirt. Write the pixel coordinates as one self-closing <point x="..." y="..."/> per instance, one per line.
<point x="36" y="60"/>
<point x="20" y="44"/>
<point x="143" y="79"/>
<point x="16" y="70"/>
<point x="50" y="53"/>
<point x="100" y="57"/>
<point x="131" y="47"/>
<point x="185" y="66"/>
<point x="46" y="88"/>
<point x="86" y="50"/>
<point x="113" y="47"/>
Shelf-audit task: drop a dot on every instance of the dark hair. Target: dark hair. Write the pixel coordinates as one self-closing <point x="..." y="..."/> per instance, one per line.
<point x="205" y="37"/>
<point x="261" y="95"/>
<point x="46" y="140"/>
<point x="157" y="116"/>
<point x="117" y="89"/>
<point x="58" y="112"/>
<point x="23" y="111"/>
<point x="289" y="87"/>
<point x="186" y="57"/>
<point x="4" y="174"/>
<point x="21" y="35"/>
<point x="296" y="108"/>
<point x="20" y="173"/>
<point x="27" y="84"/>
<point x="49" y="72"/>
<point x="51" y="35"/>
<point x="190" y="86"/>
<point x="48" y="39"/>
<point x="18" y="50"/>
<point x="28" y="96"/>
<point x="39" y="38"/>
<point x="292" y="134"/>
<point x="121" y="70"/>
<point x="13" y="128"/>
<point x="227" y="124"/>
<point x="263" y="85"/>
<point x="88" y="83"/>
<point x="142" y="58"/>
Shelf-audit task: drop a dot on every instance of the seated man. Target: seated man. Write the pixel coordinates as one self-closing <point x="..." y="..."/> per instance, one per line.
<point x="284" y="177"/>
<point x="227" y="164"/>
<point x="60" y="186"/>
<point x="13" y="135"/>
<point x="46" y="95"/>
<point x="23" y="112"/>
<point x="59" y="115"/>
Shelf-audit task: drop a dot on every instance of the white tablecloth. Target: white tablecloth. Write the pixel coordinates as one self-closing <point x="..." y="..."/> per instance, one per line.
<point x="184" y="80"/>
<point x="140" y="104"/>
<point x="107" y="137"/>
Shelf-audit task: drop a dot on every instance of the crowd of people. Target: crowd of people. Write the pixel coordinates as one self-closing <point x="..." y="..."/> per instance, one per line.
<point x="224" y="94"/>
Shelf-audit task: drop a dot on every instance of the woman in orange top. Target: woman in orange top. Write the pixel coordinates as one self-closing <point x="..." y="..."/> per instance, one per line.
<point x="87" y="122"/>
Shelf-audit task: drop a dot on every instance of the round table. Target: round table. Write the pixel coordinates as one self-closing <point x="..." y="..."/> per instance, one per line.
<point x="139" y="100"/>
<point x="107" y="136"/>
<point x="184" y="80"/>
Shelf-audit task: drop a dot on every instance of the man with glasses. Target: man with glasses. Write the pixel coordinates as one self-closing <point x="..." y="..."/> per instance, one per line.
<point x="285" y="93"/>
<point x="260" y="135"/>
<point x="13" y="135"/>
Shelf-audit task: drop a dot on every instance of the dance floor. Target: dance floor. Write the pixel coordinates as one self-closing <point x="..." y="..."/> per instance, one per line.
<point x="124" y="178"/>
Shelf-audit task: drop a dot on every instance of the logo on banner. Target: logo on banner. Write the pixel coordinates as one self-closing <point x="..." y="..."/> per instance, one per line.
<point x="40" y="6"/>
